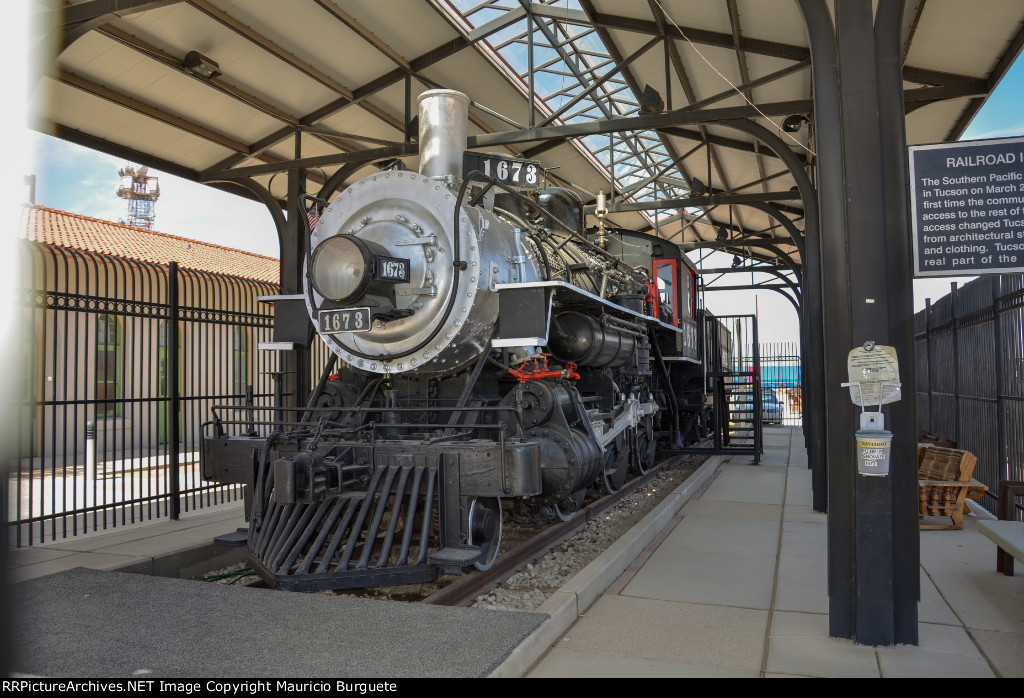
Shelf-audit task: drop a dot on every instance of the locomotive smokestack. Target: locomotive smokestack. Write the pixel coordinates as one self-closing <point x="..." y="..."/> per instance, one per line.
<point x="444" y="115"/>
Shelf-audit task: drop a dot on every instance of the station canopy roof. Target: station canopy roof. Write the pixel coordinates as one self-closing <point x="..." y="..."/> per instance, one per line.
<point x="228" y="91"/>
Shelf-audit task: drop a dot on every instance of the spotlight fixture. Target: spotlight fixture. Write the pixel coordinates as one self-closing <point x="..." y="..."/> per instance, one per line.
<point x="793" y="123"/>
<point x="736" y="261"/>
<point x="721" y="233"/>
<point x="201" y="65"/>
<point x="697" y="187"/>
<point x="651" y="101"/>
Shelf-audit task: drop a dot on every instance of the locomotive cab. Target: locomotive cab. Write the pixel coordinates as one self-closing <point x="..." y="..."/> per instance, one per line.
<point x="673" y="278"/>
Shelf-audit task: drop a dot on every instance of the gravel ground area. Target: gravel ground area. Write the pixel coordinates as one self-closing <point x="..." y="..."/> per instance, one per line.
<point x="527" y="589"/>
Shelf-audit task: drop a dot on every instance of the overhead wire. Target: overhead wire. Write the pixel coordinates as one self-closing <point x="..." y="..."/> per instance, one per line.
<point x="729" y="82"/>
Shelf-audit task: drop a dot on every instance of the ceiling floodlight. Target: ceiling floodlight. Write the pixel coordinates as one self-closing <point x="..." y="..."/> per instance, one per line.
<point x="736" y="261"/>
<point x="793" y="123"/>
<point x="201" y="65"/>
<point x="721" y="233"/>
<point x="697" y="187"/>
<point x="651" y="101"/>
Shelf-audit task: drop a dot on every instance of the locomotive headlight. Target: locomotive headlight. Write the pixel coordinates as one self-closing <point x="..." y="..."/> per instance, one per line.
<point x="341" y="268"/>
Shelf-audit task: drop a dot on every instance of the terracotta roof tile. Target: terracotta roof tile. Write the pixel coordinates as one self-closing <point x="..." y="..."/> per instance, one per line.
<point x="70" y="230"/>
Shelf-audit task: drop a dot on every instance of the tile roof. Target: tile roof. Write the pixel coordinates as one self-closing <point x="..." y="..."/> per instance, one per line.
<point x="73" y="231"/>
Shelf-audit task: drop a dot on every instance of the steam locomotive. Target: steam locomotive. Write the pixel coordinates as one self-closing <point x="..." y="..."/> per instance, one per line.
<point x="488" y="352"/>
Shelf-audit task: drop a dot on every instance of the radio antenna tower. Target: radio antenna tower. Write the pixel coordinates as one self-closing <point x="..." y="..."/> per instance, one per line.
<point x="140" y="193"/>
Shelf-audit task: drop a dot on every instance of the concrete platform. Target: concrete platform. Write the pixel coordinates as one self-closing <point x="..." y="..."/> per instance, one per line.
<point x="737" y="587"/>
<point x="726" y="578"/>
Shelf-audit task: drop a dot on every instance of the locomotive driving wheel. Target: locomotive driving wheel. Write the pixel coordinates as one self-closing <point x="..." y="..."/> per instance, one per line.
<point x="567" y="508"/>
<point x="616" y="463"/>
<point x="485" y="529"/>
<point x="644" y="446"/>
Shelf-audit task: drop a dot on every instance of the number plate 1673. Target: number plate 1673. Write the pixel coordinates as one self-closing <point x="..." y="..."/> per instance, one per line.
<point x="348" y="320"/>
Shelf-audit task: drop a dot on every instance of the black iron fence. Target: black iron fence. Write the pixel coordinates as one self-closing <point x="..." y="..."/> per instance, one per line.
<point x="969" y="352"/>
<point x="121" y="362"/>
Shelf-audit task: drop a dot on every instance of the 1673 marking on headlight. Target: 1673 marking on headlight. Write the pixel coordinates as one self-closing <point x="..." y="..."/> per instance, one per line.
<point x="392" y="269"/>
<point x="347" y="320"/>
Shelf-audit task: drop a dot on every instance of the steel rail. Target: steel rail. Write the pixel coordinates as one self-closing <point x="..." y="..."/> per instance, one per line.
<point x="465" y="589"/>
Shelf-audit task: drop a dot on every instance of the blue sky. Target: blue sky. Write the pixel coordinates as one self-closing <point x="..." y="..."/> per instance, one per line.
<point x="76" y="179"/>
<point x="72" y="178"/>
<point x="1003" y="113"/>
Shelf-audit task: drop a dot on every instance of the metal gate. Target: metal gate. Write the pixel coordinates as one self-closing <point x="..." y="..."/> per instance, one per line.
<point x="781" y="383"/>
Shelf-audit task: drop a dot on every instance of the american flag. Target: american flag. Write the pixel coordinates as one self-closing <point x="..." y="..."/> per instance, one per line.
<point x="313" y="216"/>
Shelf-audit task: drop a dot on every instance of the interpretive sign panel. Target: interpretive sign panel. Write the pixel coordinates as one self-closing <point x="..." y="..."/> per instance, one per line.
<point x="967" y="202"/>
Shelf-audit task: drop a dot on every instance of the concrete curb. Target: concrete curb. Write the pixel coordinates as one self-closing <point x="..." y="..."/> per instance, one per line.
<point x="570" y="602"/>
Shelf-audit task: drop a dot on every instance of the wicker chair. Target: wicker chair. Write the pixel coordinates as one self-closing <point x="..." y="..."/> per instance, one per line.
<point x="944" y="483"/>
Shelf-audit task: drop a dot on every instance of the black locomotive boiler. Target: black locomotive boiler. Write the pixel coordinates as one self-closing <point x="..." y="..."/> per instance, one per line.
<point x="491" y="353"/>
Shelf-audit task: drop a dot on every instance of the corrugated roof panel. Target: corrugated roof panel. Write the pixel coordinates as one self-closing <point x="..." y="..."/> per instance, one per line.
<point x="964" y="38"/>
<point x="315" y="36"/>
<point x="85" y="54"/>
<point x="772" y="20"/>
<point x="242" y="63"/>
<point x="128" y="74"/>
<point x="412" y="27"/>
<point x="707" y="82"/>
<point x="931" y="124"/>
<point x="950" y="36"/>
<point x="353" y="119"/>
<point x="392" y="100"/>
<point x="794" y="86"/>
<point x="710" y="16"/>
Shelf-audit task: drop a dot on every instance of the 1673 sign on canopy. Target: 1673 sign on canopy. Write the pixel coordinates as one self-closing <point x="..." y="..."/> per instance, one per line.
<point x="967" y="202"/>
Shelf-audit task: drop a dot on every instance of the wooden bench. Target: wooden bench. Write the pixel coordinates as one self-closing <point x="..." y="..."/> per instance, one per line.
<point x="1007" y="533"/>
<point x="944" y="483"/>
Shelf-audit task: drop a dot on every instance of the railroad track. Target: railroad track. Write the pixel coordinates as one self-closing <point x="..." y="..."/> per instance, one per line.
<point x="465" y="589"/>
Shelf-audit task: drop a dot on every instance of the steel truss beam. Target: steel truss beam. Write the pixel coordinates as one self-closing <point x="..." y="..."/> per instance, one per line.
<point x="617" y="70"/>
<point x="778" y="288"/>
<point x="406" y="69"/>
<point x="148" y="110"/>
<point x="771" y="271"/>
<point x="675" y="60"/>
<point x="71" y="135"/>
<point x="1005" y="61"/>
<point x="83" y="17"/>
<point x="741" y="59"/>
<point x="562" y="133"/>
<point x="602" y="104"/>
<point x="774" y="49"/>
<point x="693" y="201"/>
<point x="307" y="69"/>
